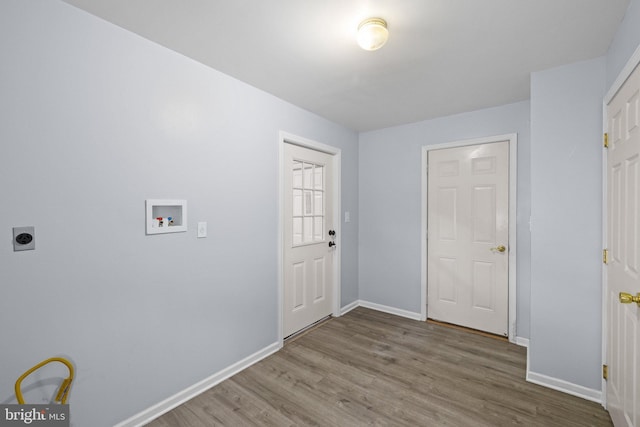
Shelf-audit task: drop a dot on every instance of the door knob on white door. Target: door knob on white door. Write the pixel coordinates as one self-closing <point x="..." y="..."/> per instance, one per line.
<point x="626" y="298"/>
<point x="500" y="248"/>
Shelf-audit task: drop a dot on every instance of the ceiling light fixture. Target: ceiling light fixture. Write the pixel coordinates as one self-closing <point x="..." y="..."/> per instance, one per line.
<point x="372" y="33"/>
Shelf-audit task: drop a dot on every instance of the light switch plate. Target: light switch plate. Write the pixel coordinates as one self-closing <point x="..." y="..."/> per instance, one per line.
<point x="347" y="217"/>
<point x="24" y="238"/>
<point x="202" y="230"/>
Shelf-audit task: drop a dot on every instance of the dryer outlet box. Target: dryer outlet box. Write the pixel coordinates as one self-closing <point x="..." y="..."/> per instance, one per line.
<point x="24" y="238"/>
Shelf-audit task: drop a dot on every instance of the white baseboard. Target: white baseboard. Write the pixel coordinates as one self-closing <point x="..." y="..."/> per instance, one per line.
<point x="179" y="398"/>
<point x="561" y="385"/>
<point x="347" y="308"/>
<point x="153" y="412"/>
<point x="390" y="310"/>
<point x="564" y="386"/>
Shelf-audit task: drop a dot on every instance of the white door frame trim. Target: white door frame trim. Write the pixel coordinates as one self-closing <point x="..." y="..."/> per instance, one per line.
<point x="287" y="138"/>
<point x="513" y="157"/>
<point x="625" y="73"/>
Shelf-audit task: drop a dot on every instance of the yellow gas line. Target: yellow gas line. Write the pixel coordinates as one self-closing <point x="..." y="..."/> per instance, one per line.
<point x="63" y="392"/>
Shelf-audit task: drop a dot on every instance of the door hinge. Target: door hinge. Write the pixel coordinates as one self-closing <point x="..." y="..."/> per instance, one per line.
<point x="606" y="140"/>
<point x="605" y="256"/>
<point x="605" y="372"/>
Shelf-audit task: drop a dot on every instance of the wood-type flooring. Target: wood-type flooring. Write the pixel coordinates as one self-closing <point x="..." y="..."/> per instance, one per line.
<point x="373" y="368"/>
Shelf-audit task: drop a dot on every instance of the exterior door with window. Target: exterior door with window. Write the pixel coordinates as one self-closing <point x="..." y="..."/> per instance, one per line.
<point x="623" y="267"/>
<point x="309" y="245"/>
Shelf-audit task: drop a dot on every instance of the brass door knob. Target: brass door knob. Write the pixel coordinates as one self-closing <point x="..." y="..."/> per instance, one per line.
<point x="626" y="298"/>
<point x="500" y="248"/>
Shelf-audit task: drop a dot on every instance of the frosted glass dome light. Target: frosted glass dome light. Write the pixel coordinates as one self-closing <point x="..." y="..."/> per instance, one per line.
<point x="372" y="33"/>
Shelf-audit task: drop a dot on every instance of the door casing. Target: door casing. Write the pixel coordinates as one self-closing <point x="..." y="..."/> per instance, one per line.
<point x="513" y="156"/>
<point x="336" y="153"/>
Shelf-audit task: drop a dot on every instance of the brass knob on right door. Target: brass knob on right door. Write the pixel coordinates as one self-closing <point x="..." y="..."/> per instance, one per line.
<point x="626" y="298"/>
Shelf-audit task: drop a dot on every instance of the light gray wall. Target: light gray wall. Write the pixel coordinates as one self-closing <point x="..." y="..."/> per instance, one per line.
<point x="625" y="42"/>
<point x="390" y="203"/>
<point x="93" y="121"/>
<point x="566" y="207"/>
<point x="566" y="179"/>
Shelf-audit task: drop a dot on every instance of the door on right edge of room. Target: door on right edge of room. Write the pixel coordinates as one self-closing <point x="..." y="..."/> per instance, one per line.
<point x="468" y="236"/>
<point x="623" y="267"/>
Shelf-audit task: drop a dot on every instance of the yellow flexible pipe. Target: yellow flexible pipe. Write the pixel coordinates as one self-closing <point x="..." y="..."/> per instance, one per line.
<point x="63" y="392"/>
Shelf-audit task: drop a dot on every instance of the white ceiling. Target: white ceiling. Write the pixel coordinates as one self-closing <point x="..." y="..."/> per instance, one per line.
<point x="443" y="56"/>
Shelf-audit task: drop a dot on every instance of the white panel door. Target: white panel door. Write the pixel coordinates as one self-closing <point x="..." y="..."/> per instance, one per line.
<point x="309" y="247"/>
<point x="468" y="235"/>
<point x="623" y="268"/>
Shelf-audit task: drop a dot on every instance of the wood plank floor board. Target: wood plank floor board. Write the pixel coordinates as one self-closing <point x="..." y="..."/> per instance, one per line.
<point x="298" y="407"/>
<point x="377" y="369"/>
<point x="258" y="411"/>
<point x="406" y="365"/>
